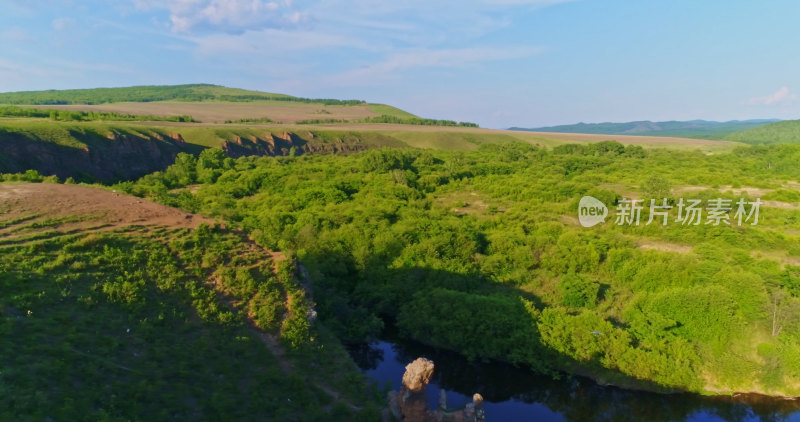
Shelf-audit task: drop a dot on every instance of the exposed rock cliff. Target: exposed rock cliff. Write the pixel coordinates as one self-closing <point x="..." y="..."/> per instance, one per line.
<point x="115" y="157"/>
<point x="125" y="155"/>
<point x="286" y="143"/>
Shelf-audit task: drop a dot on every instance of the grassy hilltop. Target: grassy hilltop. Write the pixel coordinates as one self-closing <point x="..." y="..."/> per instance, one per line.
<point x="204" y="102"/>
<point x="183" y="93"/>
<point x="115" y="308"/>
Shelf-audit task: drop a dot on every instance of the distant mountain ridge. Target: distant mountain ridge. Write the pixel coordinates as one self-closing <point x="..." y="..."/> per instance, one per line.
<point x="692" y="129"/>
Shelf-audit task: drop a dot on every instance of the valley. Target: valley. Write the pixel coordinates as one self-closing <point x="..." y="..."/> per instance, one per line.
<point x="278" y="245"/>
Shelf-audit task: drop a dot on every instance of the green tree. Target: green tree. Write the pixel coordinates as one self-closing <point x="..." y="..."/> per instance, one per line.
<point x="578" y="291"/>
<point x="183" y="172"/>
<point x="656" y="187"/>
<point x="210" y="165"/>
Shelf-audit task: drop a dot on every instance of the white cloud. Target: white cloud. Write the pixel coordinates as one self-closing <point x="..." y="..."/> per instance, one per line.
<point x="62" y="24"/>
<point x="271" y="41"/>
<point x="457" y="57"/>
<point x="781" y="96"/>
<point x="429" y="58"/>
<point x="231" y="16"/>
<point x="15" y="34"/>
<point x="538" y="3"/>
<point x="360" y="42"/>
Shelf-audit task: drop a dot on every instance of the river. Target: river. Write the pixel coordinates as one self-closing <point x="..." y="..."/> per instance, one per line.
<point x="516" y="394"/>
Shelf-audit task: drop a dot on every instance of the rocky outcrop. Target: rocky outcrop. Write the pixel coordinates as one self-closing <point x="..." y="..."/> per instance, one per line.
<point x="418" y="374"/>
<point x="288" y="143"/>
<point x="410" y="404"/>
<point x="129" y="154"/>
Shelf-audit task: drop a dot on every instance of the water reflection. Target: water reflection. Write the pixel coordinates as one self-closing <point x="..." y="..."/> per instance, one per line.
<point x="515" y="394"/>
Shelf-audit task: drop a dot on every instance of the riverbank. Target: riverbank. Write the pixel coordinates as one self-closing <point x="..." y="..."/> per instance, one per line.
<point x="512" y="393"/>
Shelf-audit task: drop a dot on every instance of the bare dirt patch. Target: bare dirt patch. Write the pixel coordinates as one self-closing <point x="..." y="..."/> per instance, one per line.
<point x="651" y="141"/>
<point x="782" y="205"/>
<point x="103" y="206"/>
<point x="662" y="246"/>
<point x="751" y="191"/>
<point x="464" y="203"/>
<point x="781" y="257"/>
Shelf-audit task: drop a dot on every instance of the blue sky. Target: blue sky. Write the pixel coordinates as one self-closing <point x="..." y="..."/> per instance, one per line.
<point x="498" y="63"/>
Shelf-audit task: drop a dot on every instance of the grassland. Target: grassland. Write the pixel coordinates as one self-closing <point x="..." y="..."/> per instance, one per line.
<point x="450" y="138"/>
<point x="208" y="103"/>
<point x="219" y="112"/>
<point x="700" y="129"/>
<point x="703" y="145"/>
<point x="381" y="109"/>
<point x="470" y="138"/>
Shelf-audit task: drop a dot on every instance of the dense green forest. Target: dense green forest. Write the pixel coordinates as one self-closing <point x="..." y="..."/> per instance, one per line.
<point x="417" y="121"/>
<point x="385" y="118"/>
<point x="480" y="252"/>
<point x="250" y="120"/>
<point x="192" y="92"/>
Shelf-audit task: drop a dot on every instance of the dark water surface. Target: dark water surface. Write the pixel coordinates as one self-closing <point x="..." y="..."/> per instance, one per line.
<point x="515" y="394"/>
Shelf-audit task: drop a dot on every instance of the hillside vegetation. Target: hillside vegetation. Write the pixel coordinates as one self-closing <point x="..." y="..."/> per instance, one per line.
<point x="480" y="252"/>
<point x="774" y="133"/>
<point x="154" y="316"/>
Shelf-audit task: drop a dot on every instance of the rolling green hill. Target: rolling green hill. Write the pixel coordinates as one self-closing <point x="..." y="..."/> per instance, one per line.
<point x="153" y="316"/>
<point x="702" y="129"/>
<point x="149" y="93"/>
<point x="128" y="101"/>
<point x="785" y="132"/>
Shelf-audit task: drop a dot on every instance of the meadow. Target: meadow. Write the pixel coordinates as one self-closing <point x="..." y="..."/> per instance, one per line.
<point x="205" y="103"/>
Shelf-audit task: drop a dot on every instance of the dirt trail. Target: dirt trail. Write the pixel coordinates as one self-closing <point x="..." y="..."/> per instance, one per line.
<point x="270" y="341"/>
